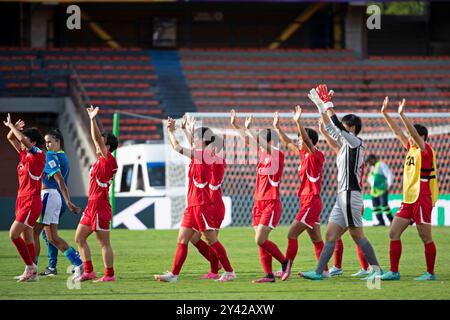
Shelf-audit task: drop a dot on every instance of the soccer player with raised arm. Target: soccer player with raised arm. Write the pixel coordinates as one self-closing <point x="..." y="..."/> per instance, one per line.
<point x="55" y="200"/>
<point x="310" y="172"/>
<point x="217" y="174"/>
<point x="420" y="193"/>
<point x="98" y="213"/>
<point x="337" y="268"/>
<point x="267" y="204"/>
<point x="29" y="144"/>
<point x="348" y="209"/>
<point x="201" y="214"/>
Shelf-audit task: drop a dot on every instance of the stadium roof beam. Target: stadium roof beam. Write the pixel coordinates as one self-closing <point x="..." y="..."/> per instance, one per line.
<point x="297" y="23"/>
<point x="100" y="32"/>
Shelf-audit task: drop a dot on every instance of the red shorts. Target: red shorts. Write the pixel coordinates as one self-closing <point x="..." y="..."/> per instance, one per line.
<point x="201" y="218"/>
<point x="418" y="212"/>
<point x="267" y="213"/>
<point x="310" y="209"/>
<point x="97" y="215"/>
<point x="28" y="209"/>
<point x="220" y="210"/>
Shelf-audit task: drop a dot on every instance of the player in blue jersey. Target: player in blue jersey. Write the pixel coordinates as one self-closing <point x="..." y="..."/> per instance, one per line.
<point x="55" y="200"/>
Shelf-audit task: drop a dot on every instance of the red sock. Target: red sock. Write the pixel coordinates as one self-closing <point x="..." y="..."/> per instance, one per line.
<point x="221" y="254"/>
<point x="23" y="250"/>
<point x="272" y="248"/>
<point x="31" y="252"/>
<point x="109" y="272"/>
<point x="318" y="246"/>
<point x="338" y="253"/>
<point x="213" y="261"/>
<point x="362" y="258"/>
<point x="292" y="249"/>
<point x="266" y="261"/>
<point x="203" y="248"/>
<point x="395" y="252"/>
<point x="180" y="257"/>
<point x="88" y="267"/>
<point x="430" y="256"/>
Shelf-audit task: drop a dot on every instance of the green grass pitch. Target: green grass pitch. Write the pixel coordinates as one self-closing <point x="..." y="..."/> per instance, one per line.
<point x="140" y="254"/>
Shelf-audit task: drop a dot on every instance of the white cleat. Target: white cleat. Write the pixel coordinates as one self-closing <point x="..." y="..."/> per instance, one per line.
<point x="30" y="274"/>
<point x="77" y="272"/>
<point x="227" y="276"/>
<point x="326" y="274"/>
<point x="361" y="273"/>
<point x="166" y="277"/>
<point x="336" y="271"/>
<point x="22" y="275"/>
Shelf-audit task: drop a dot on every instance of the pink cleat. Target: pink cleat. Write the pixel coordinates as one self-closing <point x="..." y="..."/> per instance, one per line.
<point x="106" y="279"/>
<point x="287" y="271"/>
<point x="227" y="276"/>
<point x="85" y="276"/>
<point x="265" y="279"/>
<point x="210" y="275"/>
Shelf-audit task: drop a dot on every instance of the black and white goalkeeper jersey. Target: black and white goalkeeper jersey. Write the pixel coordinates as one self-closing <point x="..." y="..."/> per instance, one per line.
<point x="350" y="160"/>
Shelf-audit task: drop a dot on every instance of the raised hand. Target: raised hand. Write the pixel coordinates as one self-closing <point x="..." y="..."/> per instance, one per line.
<point x="8" y="122"/>
<point x="314" y="97"/>
<point x="297" y="113"/>
<point x="385" y="105"/>
<point x="276" y="120"/>
<point x="92" y="112"/>
<point x="233" y="118"/>
<point x="324" y="94"/>
<point x="20" y="124"/>
<point x="184" y="121"/>
<point x="171" y="124"/>
<point x="248" y="122"/>
<point x="191" y="124"/>
<point x="401" y="106"/>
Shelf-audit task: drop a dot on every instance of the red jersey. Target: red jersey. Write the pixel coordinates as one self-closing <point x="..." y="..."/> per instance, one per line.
<point x="217" y="174"/>
<point x="102" y="174"/>
<point x="29" y="171"/>
<point x="310" y="172"/>
<point x="199" y="176"/>
<point x="269" y="172"/>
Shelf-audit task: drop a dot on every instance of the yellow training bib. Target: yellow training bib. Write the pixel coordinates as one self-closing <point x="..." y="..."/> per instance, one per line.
<point x="411" y="175"/>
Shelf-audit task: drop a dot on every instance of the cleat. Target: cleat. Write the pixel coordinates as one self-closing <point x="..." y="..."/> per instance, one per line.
<point x="85" y="276"/>
<point x="287" y="271"/>
<point x="326" y="274"/>
<point x="336" y="271"/>
<point x="390" y="276"/>
<point x="49" y="272"/>
<point x="361" y="273"/>
<point x="30" y="275"/>
<point x="278" y="274"/>
<point x="22" y="275"/>
<point x="210" y="275"/>
<point x="166" y="277"/>
<point x="312" y="275"/>
<point x="375" y="274"/>
<point x="426" y="276"/>
<point x="106" y="279"/>
<point x="78" y="271"/>
<point x="265" y="279"/>
<point x="227" y="276"/>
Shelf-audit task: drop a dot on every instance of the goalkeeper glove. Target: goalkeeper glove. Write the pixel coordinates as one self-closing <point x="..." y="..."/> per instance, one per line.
<point x="314" y="97"/>
<point x="325" y="95"/>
